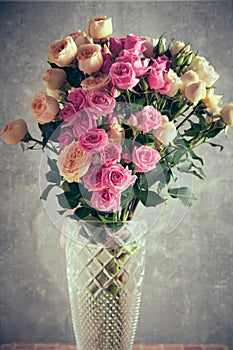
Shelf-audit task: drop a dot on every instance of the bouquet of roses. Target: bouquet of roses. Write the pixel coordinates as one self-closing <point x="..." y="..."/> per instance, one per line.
<point x="123" y="117"/>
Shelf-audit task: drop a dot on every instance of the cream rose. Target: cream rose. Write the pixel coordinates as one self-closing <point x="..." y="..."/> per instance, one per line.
<point x="211" y="100"/>
<point x="227" y="114"/>
<point x="195" y="92"/>
<point x="62" y="52"/>
<point x="166" y="132"/>
<point x="99" y="27"/>
<point x="90" y="58"/>
<point x="188" y="78"/>
<point x="80" y="38"/>
<point x="175" y="82"/>
<point x="44" y="108"/>
<point x="14" y="131"/>
<point x="54" y="78"/>
<point x="73" y="162"/>
<point x="98" y="83"/>
<point x="179" y="45"/>
<point x="204" y="70"/>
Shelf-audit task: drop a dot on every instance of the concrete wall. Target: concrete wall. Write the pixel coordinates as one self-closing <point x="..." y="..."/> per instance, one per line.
<point x="188" y="288"/>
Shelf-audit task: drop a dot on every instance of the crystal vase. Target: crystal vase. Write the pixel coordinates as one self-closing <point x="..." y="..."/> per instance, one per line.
<point x="105" y="268"/>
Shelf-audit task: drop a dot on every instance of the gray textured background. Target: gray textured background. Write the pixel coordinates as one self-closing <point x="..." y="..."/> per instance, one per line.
<point x="188" y="288"/>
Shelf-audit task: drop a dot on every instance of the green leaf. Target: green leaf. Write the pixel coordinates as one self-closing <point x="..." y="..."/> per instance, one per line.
<point x="53" y="176"/>
<point x="46" y="191"/>
<point x="53" y="164"/>
<point x="216" y="145"/>
<point x="149" y="198"/>
<point x="68" y="200"/>
<point x="82" y="213"/>
<point x="184" y="194"/>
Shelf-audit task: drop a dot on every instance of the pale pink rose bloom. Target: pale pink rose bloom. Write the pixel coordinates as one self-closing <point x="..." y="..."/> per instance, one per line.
<point x="80" y="38"/>
<point x="14" y="131"/>
<point x="135" y="43"/>
<point x="73" y="162"/>
<point x="117" y="177"/>
<point x="93" y="179"/>
<point x="116" y="45"/>
<point x="65" y="138"/>
<point x="90" y="58"/>
<point x="100" y="103"/>
<point x="126" y="157"/>
<point x="175" y="82"/>
<point x="140" y="67"/>
<point x="148" y="118"/>
<point x="77" y="97"/>
<point x="123" y="76"/>
<point x="44" y="108"/>
<point x="67" y="111"/>
<point x="110" y="155"/>
<point x="62" y="52"/>
<point x="166" y="132"/>
<point x="145" y="158"/>
<point x="80" y="123"/>
<point x="98" y="83"/>
<point x="106" y="200"/>
<point x="54" y="78"/>
<point x="93" y="140"/>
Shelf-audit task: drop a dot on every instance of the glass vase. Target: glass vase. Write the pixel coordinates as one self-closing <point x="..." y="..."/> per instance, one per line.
<point x="105" y="269"/>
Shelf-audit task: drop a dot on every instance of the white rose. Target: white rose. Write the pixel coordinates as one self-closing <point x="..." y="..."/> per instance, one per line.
<point x="175" y="82"/>
<point x="166" y="132"/>
<point x="211" y="100"/>
<point x="205" y="71"/>
<point x="195" y="92"/>
<point x="227" y="114"/>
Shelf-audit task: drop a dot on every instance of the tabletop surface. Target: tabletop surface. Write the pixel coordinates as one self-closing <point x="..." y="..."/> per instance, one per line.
<point x="17" y="346"/>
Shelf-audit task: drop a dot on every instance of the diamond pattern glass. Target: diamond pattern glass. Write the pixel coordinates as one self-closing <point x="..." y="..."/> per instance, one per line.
<point x="105" y="284"/>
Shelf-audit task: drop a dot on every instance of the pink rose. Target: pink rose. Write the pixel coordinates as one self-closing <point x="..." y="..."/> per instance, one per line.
<point x="144" y="158"/>
<point x="156" y="78"/>
<point x="77" y="97"/>
<point x="123" y="75"/>
<point x="100" y="103"/>
<point x="80" y="122"/>
<point x="148" y="118"/>
<point x="110" y="155"/>
<point x="93" y="179"/>
<point x="135" y="43"/>
<point x="68" y="111"/>
<point x="73" y="162"/>
<point x="117" y="177"/>
<point x="107" y="62"/>
<point x="116" y="45"/>
<point x="140" y="67"/>
<point x="93" y="140"/>
<point x="106" y="200"/>
<point x="44" y="108"/>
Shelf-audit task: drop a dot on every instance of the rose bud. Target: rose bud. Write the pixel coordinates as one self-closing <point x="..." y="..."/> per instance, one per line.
<point x="80" y="38"/>
<point x="62" y="52"/>
<point x="116" y="134"/>
<point x="44" y="108"/>
<point x="178" y="46"/>
<point x="98" y="83"/>
<point x="90" y="58"/>
<point x="195" y="92"/>
<point x="150" y="44"/>
<point x="227" y="114"/>
<point x="99" y="27"/>
<point x="14" y="131"/>
<point x="54" y="78"/>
